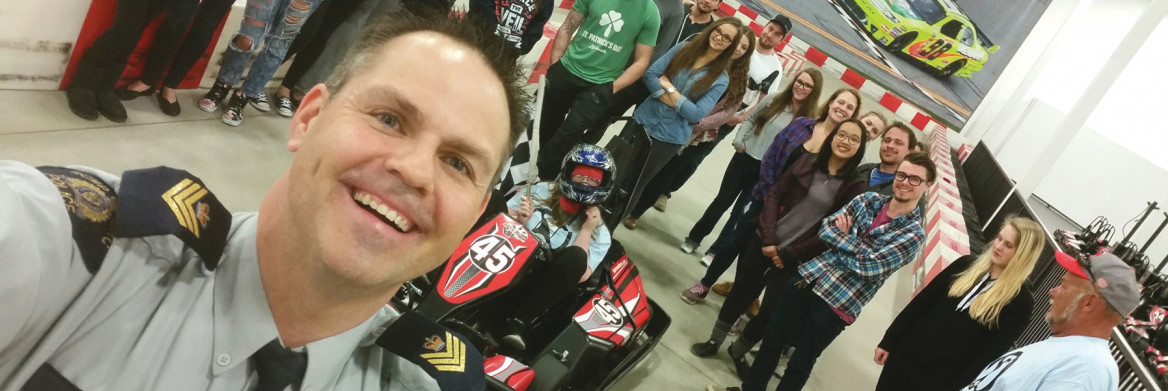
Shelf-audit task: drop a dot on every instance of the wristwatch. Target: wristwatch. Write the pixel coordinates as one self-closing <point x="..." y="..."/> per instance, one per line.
<point x="670" y="90"/>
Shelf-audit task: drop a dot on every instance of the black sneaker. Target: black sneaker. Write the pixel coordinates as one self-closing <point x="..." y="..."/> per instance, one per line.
<point x="286" y="106"/>
<point x="111" y="106"/>
<point x="82" y="102"/>
<point x="233" y="114"/>
<point x="260" y="102"/>
<point x="704" y="349"/>
<point x="211" y="100"/>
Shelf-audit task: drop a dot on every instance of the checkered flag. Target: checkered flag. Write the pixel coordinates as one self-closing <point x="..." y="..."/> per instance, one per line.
<point x="521" y="168"/>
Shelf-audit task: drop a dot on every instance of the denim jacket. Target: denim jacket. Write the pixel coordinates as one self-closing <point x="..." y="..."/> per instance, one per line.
<point x="674" y="125"/>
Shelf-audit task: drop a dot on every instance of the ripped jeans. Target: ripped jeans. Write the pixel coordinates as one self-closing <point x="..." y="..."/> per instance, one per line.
<point x="276" y="23"/>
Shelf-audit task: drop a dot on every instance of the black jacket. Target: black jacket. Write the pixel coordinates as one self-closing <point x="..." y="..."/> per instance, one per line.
<point x="942" y="348"/>
<point x="790" y="189"/>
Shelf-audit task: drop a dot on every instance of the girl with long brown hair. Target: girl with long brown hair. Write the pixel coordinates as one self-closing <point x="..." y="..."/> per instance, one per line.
<point x="684" y="85"/>
<point x="706" y="133"/>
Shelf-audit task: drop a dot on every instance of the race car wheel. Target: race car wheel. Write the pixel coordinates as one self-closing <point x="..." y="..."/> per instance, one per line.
<point x="950" y="69"/>
<point x="900" y="42"/>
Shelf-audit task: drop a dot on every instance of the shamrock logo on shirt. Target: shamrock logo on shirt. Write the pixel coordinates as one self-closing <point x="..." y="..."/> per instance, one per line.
<point x="611" y="20"/>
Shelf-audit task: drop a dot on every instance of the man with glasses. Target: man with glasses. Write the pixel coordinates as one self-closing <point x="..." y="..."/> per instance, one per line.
<point x="869" y="239"/>
<point x="1094" y="295"/>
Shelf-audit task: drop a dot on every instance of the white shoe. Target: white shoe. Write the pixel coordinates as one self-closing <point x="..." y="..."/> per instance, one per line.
<point x="707" y="259"/>
<point x="687" y="247"/>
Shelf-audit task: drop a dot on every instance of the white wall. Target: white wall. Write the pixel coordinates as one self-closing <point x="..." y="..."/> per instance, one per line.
<point x="36" y="39"/>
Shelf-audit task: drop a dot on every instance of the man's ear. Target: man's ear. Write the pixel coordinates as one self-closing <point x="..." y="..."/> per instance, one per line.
<point x="310" y="107"/>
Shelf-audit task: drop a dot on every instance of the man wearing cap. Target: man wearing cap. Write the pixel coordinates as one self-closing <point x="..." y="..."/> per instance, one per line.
<point x="1095" y="294"/>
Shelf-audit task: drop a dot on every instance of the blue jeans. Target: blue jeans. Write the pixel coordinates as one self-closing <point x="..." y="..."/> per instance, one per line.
<point x="796" y="305"/>
<point x="276" y="23"/>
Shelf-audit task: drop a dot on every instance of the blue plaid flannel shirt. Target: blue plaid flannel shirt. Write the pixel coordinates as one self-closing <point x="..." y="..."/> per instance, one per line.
<point x="857" y="262"/>
<point x="795" y="134"/>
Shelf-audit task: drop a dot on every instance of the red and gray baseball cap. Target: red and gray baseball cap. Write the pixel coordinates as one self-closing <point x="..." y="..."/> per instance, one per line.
<point x="1115" y="280"/>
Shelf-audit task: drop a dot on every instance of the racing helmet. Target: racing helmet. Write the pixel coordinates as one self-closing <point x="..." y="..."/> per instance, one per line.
<point x="587" y="155"/>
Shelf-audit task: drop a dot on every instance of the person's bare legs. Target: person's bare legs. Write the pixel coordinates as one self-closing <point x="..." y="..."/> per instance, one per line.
<point x="169" y="94"/>
<point x="137" y="86"/>
<point x="285" y="92"/>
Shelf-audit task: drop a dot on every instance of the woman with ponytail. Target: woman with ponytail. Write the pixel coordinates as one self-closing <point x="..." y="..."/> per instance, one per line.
<point x="966" y="317"/>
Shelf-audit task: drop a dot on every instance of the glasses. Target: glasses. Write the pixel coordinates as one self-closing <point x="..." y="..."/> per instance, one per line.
<point x="587" y="180"/>
<point x="845" y="137"/>
<point x="912" y="179"/>
<point x="718" y="35"/>
<point x="803" y="86"/>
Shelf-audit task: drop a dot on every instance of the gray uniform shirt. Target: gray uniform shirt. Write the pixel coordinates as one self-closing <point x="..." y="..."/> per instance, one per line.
<point x="153" y="317"/>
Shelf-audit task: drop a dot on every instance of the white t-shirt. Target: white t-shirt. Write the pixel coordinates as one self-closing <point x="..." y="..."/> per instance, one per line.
<point x="762" y="68"/>
<point x="1074" y="363"/>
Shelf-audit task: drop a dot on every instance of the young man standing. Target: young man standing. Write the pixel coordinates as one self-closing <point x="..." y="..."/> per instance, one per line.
<point x="147" y="282"/>
<point x="894" y="146"/>
<point x="869" y="239"/>
<point x="1095" y="294"/>
<point x="690" y="21"/>
<point x="588" y="58"/>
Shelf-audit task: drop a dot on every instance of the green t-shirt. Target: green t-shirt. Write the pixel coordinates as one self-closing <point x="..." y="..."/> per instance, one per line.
<point x="608" y="36"/>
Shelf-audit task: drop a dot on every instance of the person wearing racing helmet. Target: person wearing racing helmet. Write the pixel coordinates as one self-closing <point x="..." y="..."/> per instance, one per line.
<point x="565" y="212"/>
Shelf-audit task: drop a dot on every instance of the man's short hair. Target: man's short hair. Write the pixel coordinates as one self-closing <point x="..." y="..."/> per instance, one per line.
<point x="502" y="60"/>
<point x="921" y="159"/>
<point x="912" y="136"/>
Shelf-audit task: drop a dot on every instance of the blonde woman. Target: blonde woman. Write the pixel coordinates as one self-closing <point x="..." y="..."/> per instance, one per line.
<point x="969" y="315"/>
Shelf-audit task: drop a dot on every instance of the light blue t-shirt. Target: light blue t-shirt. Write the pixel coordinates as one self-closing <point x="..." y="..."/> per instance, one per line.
<point x="563" y="236"/>
<point x="1074" y="363"/>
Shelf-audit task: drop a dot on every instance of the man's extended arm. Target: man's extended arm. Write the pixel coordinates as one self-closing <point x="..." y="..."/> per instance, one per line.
<point x="643" y="54"/>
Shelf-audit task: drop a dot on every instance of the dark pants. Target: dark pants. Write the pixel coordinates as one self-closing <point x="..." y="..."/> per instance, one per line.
<point x="660" y="153"/>
<point x="740" y="178"/>
<point x="172" y="57"/>
<point x="755" y="272"/>
<point x="553" y="282"/>
<point x="674" y="175"/>
<point x="311" y="41"/>
<point x="796" y="306"/>
<point x="700" y="152"/>
<point x="101" y="66"/>
<point x="726" y="255"/>
<point x="570" y="106"/>
<point x="617" y="106"/>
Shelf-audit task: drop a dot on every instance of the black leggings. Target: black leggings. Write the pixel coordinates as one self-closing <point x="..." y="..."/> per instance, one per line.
<point x="173" y="56"/>
<point x="755" y="272"/>
<point x="553" y="282"/>
<point x="101" y="66"/>
<point x="316" y="32"/>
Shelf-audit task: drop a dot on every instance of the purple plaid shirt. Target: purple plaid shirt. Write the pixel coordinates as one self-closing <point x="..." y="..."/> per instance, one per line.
<point x="858" y="262"/>
<point x="795" y="134"/>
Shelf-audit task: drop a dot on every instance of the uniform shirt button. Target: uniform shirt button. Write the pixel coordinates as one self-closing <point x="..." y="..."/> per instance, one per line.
<point x="223" y="359"/>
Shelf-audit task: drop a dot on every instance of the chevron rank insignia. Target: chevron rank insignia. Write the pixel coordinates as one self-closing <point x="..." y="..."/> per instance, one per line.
<point x="444" y="355"/>
<point x="453" y="359"/>
<point x="166" y="201"/>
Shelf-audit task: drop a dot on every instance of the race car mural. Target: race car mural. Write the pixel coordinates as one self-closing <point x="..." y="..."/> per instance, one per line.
<point x="935" y="32"/>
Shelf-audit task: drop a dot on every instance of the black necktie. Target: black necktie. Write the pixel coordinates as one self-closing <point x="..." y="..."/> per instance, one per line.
<point x="278" y="366"/>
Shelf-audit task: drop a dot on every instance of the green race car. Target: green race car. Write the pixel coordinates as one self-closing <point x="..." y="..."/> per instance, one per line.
<point x="935" y="32"/>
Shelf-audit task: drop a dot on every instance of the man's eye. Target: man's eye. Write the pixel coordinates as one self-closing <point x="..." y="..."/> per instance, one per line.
<point x="459" y="165"/>
<point x="389" y="120"/>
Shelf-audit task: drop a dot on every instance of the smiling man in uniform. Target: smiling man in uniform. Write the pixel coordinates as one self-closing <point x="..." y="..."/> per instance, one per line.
<point x="145" y="281"/>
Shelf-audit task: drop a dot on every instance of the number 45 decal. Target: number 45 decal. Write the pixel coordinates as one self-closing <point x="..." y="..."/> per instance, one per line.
<point x="492" y="253"/>
<point x="935" y="48"/>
